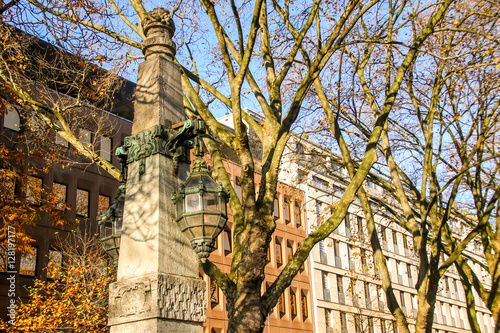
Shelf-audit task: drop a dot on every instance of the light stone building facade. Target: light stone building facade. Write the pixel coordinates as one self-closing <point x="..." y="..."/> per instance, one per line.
<point x="347" y="290"/>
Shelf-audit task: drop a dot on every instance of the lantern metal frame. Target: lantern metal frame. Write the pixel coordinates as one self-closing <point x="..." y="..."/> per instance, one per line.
<point x="110" y="225"/>
<point x="209" y="222"/>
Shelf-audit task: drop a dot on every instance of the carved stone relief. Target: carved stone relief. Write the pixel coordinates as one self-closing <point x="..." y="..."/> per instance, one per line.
<point x="158" y="296"/>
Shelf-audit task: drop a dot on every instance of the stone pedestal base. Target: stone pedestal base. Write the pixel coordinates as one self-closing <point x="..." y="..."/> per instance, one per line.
<point x="157" y="302"/>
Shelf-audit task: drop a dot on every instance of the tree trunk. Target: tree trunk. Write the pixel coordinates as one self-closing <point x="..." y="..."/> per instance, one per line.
<point x="246" y="314"/>
<point x="495" y="312"/>
<point x="426" y="304"/>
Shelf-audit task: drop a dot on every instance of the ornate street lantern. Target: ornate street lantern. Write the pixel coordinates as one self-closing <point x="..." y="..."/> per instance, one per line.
<point x="110" y="225"/>
<point x="201" y="208"/>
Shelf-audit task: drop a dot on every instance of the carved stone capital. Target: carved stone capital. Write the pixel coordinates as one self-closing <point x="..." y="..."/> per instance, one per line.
<point x="156" y="141"/>
<point x="157" y="296"/>
<point x="159" y="29"/>
<point x="174" y="144"/>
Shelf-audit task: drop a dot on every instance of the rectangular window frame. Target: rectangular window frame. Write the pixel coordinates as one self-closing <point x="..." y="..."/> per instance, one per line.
<point x="298" y="214"/>
<point x="227" y="241"/>
<point x="34" y="260"/>
<point x="305" y="310"/>
<point x="82" y="208"/>
<point x="287" y="210"/>
<point x="60" y="192"/>
<point x="276" y="211"/>
<point x="34" y="188"/>
<point x="54" y="267"/>
<point x="279" y="252"/>
<point x="214" y="293"/>
<point x="102" y="204"/>
<point x="106" y="152"/>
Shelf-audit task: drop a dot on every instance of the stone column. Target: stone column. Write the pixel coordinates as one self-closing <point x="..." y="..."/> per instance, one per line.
<point x="158" y="287"/>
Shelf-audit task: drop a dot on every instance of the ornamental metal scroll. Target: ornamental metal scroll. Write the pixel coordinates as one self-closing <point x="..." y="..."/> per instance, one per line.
<point x="174" y="144"/>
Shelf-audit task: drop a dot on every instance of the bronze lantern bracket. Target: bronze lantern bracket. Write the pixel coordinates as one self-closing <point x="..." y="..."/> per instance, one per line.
<point x="172" y="143"/>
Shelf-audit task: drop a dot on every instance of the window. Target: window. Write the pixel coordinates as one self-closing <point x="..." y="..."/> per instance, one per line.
<point x="395" y="237"/>
<point x="403" y="301"/>
<point x="7" y="184"/>
<point x="343" y="321"/>
<point x="59" y="139"/>
<point x="59" y="191"/>
<point x="214" y="292"/>
<point x="362" y="254"/>
<point x="383" y="327"/>
<point x="11" y="119"/>
<point x="227" y="241"/>
<point x="289" y="250"/>
<point x="340" y="284"/>
<point x="298" y="214"/>
<point x="353" y="292"/>
<point x="405" y="241"/>
<point x="368" y="299"/>
<point x="281" y="304"/>
<point x="268" y="256"/>
<point x="104" y="202"/>
<point x="408" y="271"/>
<point x="370" y="325"/>
<point x="347" y="224"/>
<point x="324" y="280"/>
<point x="328" y="318"/>
<point x="238" y="188"/>
<point x="34" y="190"/>
<point x="216" y="243"/>
<point x="28" y="262"/>
<point x="358" y="323"/>
<point x="85" y="137"/>
<point x="4" y="258"/>
<point x="360" y="224"/>
<point x="105" y="151"/>
<point x="383" y="235"/>
<point x="276" y="208"/>
<point x="336" y="249"/>
<point x="54" y="266"/>
<point x="318" y="211"/>
<point x="279" y="257"/>
<point x="379" y="295"/>
<point x="293" y="304"/>
<point x="82" y="202"/>
<point x="304" y="305"/>
<point x="287" y="210"/>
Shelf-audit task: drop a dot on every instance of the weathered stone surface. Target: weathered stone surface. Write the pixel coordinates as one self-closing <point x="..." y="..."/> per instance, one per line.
<point x="151" y="241"/>
<point x="158" y="96"/>
<point x="157" y="296"/>
<point x="156" y="325"/>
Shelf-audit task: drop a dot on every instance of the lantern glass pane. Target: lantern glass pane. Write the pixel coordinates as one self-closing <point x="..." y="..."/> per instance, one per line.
<point x="108" y="244"/>
<point x="106" y="229"/>
<point x="118" y="226"/>
<point x="211" y="219"/>
<point x="117" y="242"/>
<point x="193" y="182"/>
<point x="208" y="181"/>
<point x="193" y="203"/>
<point x="209" y="231"/>
<point x="210" y="201"/>
<point x="197" y="231"/>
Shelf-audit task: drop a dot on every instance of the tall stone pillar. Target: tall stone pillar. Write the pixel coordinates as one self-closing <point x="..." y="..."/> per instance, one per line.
<point x="158" y="287"/>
